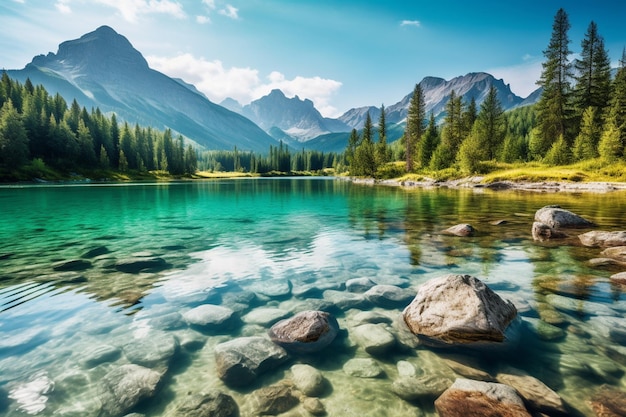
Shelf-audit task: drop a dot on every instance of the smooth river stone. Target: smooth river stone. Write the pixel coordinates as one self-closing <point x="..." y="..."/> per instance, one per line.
<point x="308" y="380"/>
<point x="210" y="317"/>
<point x="306" y="332"/>
<point x="373" y="338"/>
<point x="265" y="316"/>
<point x="124" y="387"/>
<point x="363" y="368"/>
<point x="151" y="349"/>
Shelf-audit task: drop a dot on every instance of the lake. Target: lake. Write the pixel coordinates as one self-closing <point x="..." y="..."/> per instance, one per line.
<point x="97" y="276"/>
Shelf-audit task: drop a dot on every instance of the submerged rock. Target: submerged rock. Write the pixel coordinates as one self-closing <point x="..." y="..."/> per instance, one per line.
<point x="136" y="265"/>
<point x="265" y="316"/>
<point x="274" y="399"/>
<point x="240" y="361"/>
<point x="124" y="387"/>
<point x="373" y="338"/>
<point x="476" y="398"/>
<point x="359" y="284"/>
<point x="389" y="296"/>
<point x="363" y="368"/>
<point x="211" y="404"/>
<point x="603" y="239"/>
<point x="461" y="230"/>
<point x="153" y="348"/>
<point x="537" y="395"/>
<point x="99" y="354"/>
<point x="423" y="388"/>
<point x="72" y="265"/>
<point x="542" y="231"/>
<point x="615" y="252"/>
<point x="609" y="402"/>
<point x="210" y="317"/>
<point x="308" y="380"/>
<point x="459" y="309"/>
<point x="306" y="332"/>
<point x="556" y="217"/>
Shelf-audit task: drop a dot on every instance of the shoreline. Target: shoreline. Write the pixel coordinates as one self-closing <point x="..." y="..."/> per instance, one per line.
<point x="477" y="184"/>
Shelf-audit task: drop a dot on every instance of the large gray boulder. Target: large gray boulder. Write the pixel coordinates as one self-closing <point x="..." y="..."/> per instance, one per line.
<point x="603" y="239"/>
<point x="240" y="361"/>
<point x="476" y="398"/>
<point x="556" y="217"/>
<point x="459" y="309"/>
<point x="306" y="332"/>
<point x="124" y="387"/>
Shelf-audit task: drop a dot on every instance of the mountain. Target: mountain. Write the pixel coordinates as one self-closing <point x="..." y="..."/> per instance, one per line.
<point x="437" y="93"/>
<point x="295" y="117"/>
<point x="102" y="69"/>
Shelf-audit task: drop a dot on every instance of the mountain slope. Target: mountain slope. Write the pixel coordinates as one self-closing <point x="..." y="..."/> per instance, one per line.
<point x="103" y="69"/>
<point x="297" y="118"/>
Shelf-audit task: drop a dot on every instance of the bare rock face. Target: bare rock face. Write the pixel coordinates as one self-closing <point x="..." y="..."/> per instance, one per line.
<point x="537" y="395"/>
<point x="556" y="217"/>
<point x="476" y="398"/>
<point x="459" y="309"/>
<point x="306" y="332"/>
<point x="603" y="239"/>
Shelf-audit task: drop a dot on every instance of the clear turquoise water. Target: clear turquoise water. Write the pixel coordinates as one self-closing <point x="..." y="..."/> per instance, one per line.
<point x="215" y="239"/>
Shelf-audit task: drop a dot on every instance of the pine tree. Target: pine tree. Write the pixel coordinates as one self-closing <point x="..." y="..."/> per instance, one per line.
<point x="13" y="137"/>
<point x="593" y="74"/>
<point x="611" y="147"/>
<point x="429" y="143"/>
<point x="490" y="124"/>
<point x="365" y="160"/>
<point x="350" y="152"/>
<point x="415" y="125"/>
<point x="554" y="106"/>
<point x="559" y="153"/>
<point x="586" y="143"/>
<point x="471" y="152"/>
<point x="618" y="100"/>
<point x="382" y="151"/>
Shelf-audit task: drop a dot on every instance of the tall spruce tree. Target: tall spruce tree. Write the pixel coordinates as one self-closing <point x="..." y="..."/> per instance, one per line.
<point x="382" y="150"/>
<point x="429" y="143"/>
<point x="593" y="75"/>
<point x="554" y="107"/>
<point x="490" y="127"/>
<point x="415" y="125"/>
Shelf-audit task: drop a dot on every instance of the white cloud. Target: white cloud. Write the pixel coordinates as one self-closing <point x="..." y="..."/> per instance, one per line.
<point x="203" y="19"/>
<point x="209" y="3"/>
<point x="63" y="6"/>
<point x="19" y="1"/>
<point x="230" y="11"/>
<point x="244" y="84"/>
<point x="415" y="23"/>
<point x="522" y="77"/>
<point x="131" y="9"/>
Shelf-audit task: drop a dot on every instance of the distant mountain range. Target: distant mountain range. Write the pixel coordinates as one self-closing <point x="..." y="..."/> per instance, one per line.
<point x="102" y="69"/>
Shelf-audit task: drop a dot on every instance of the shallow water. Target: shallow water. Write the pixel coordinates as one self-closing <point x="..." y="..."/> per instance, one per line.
<point x="75" y="295"/>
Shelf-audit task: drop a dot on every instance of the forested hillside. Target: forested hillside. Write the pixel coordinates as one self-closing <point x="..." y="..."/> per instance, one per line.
<point x="581" y="115"/>
<point x="39" y="131"/>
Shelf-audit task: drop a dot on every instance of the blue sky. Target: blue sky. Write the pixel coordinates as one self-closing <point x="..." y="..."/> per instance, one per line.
<point x="338" y="53"/>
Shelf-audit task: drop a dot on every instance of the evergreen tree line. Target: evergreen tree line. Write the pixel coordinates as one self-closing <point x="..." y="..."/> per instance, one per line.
<point x="278" y="159"/>
<point x="580" y="115"/>
<point x="35" y="126"/>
